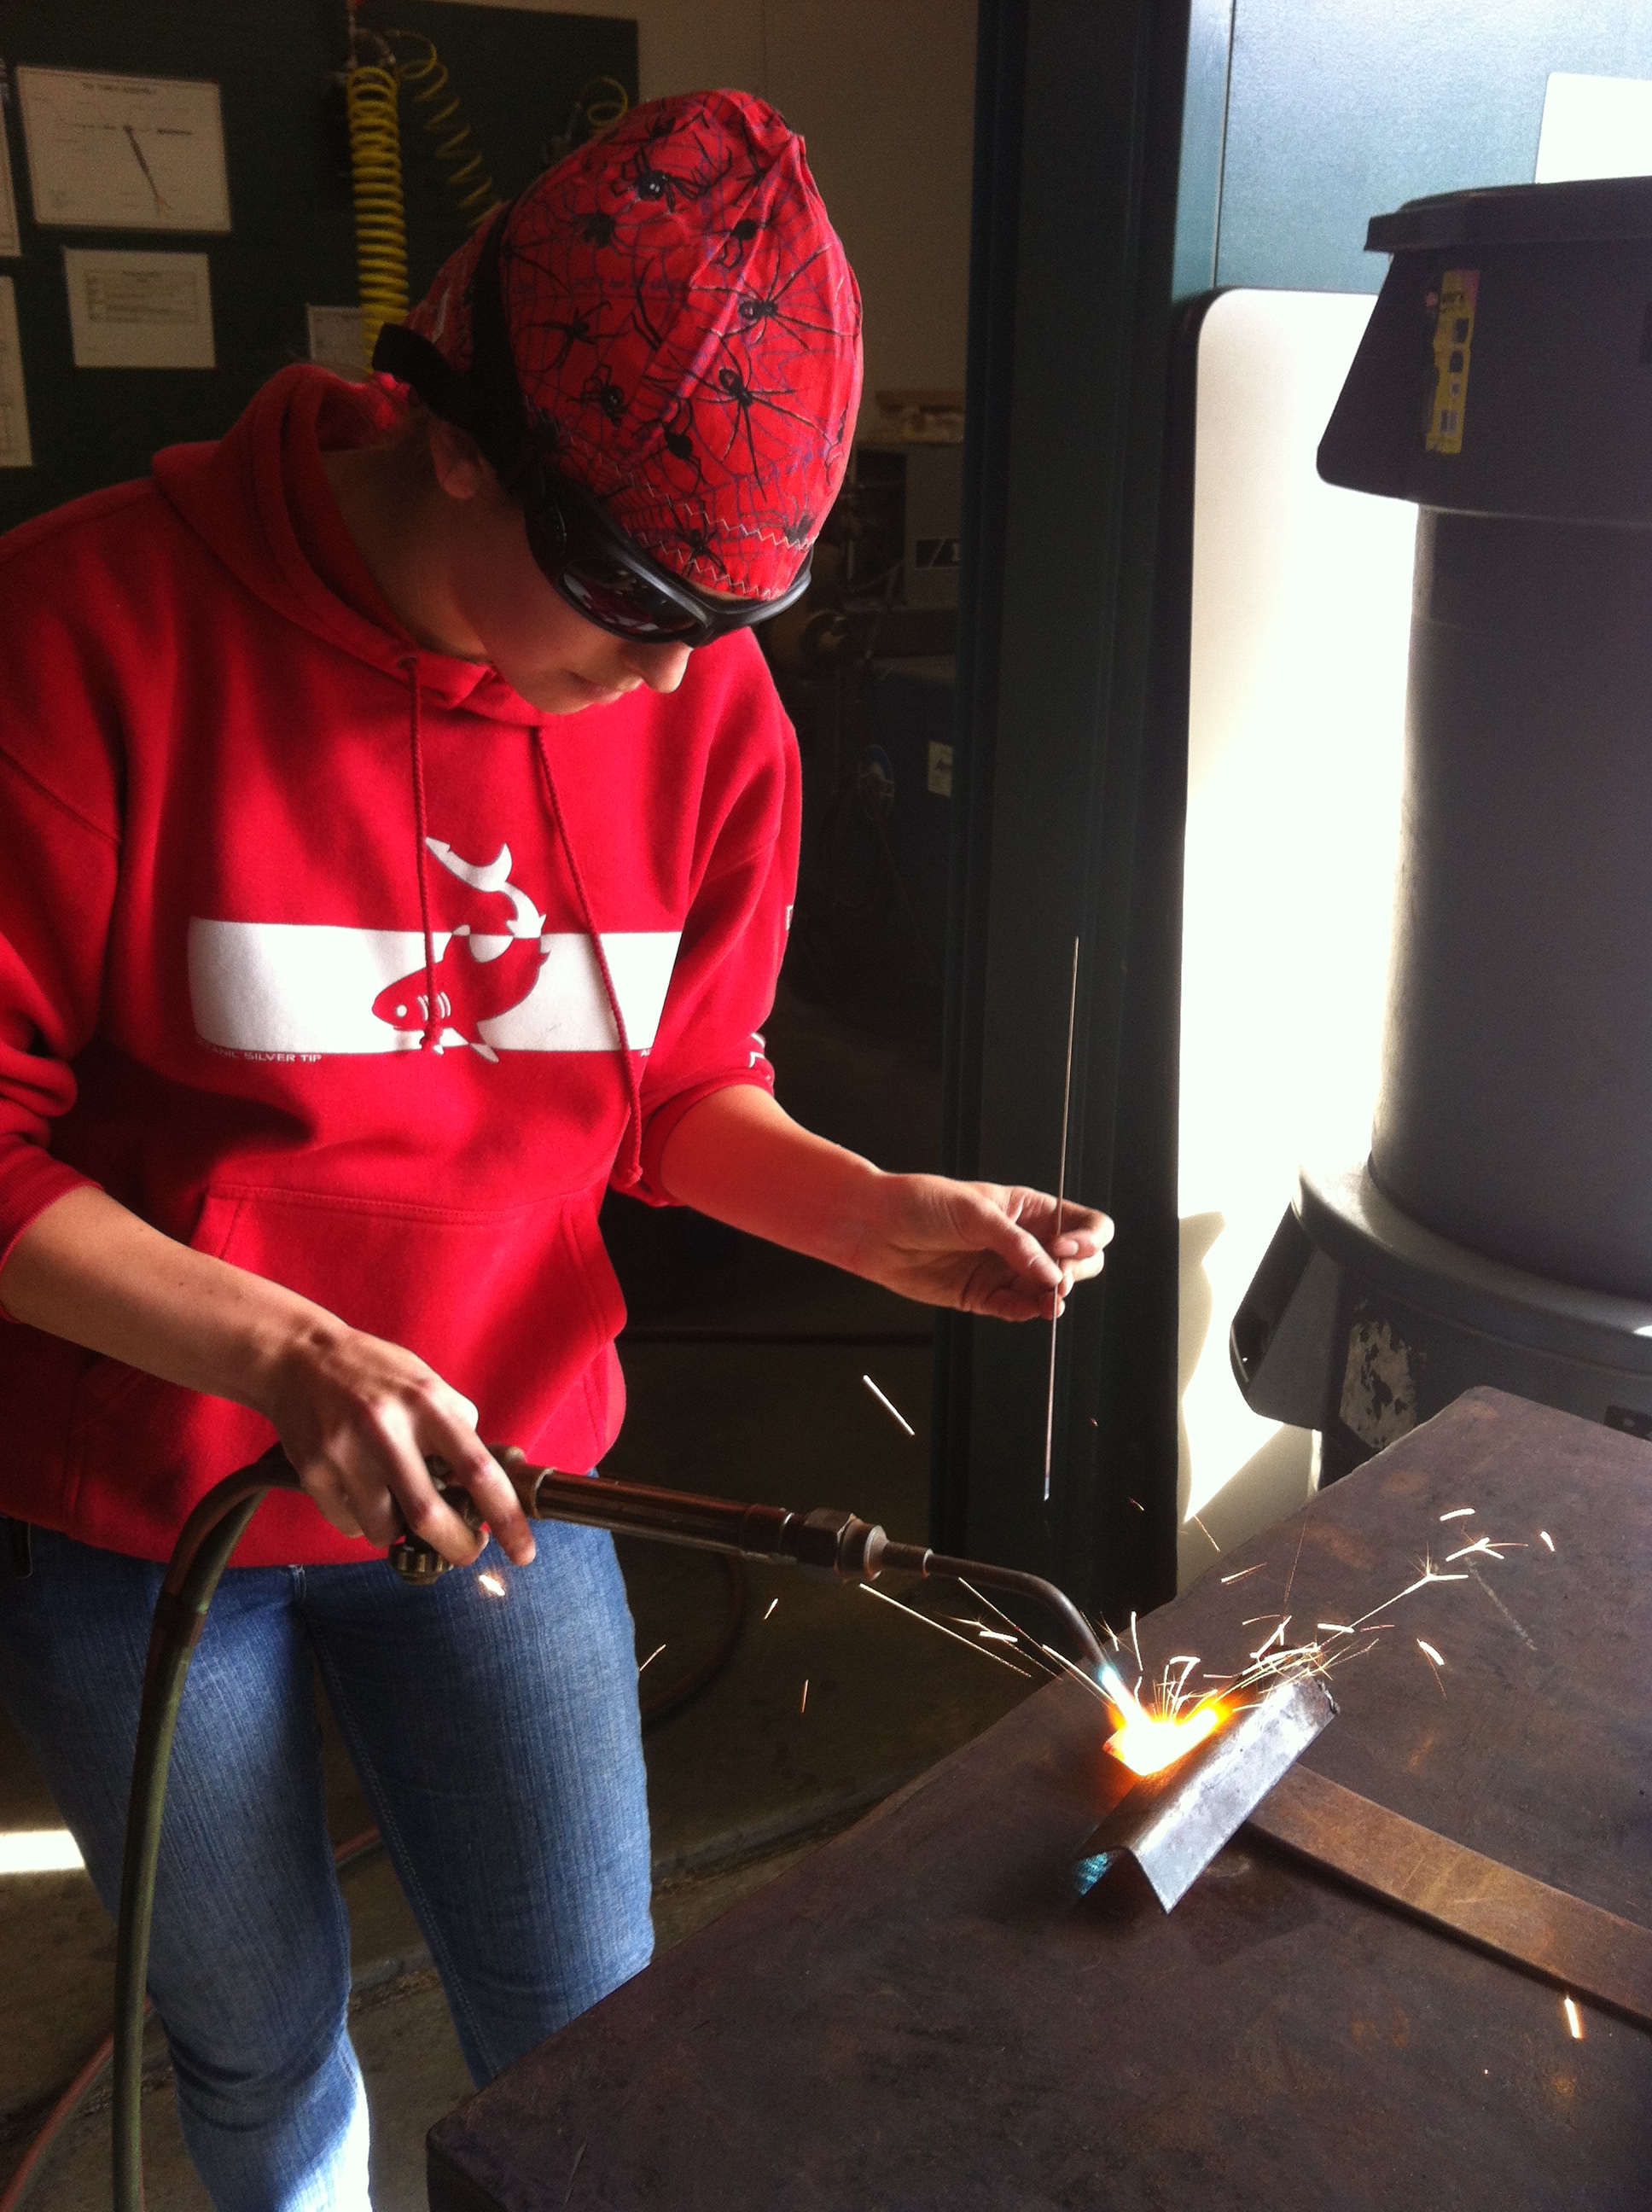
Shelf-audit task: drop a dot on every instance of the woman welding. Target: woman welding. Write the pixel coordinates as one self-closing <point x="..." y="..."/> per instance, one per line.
<point x="396" y="851"/>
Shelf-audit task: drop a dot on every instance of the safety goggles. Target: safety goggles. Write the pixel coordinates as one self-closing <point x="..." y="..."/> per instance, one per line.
<point x="589" y="561"/>
<point x="614" y="584"/>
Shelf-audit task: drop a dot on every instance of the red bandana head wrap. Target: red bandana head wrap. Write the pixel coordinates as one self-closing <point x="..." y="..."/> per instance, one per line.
<point x="685" y="330"/>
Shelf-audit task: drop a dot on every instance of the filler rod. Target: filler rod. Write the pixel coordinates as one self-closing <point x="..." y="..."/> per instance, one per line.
<point x="1061" y="1210"/>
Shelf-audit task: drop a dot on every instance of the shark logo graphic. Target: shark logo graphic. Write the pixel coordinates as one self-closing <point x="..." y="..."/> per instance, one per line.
<point x="309" y="990"/>
<point x="478" y="976"/>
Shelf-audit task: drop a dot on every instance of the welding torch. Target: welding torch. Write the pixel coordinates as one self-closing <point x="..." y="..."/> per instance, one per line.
<point x="838" y="1545"/>
<point x="827" y="1541"/>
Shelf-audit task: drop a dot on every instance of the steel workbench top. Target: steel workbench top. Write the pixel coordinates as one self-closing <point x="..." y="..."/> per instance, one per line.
<point x="923" y="2014"/>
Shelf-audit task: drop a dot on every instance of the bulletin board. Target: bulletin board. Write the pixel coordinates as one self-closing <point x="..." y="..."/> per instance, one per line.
<point x="292" y="240"/>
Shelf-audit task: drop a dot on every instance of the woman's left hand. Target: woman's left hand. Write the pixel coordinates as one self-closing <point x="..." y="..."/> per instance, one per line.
<point x="982" y="1247"/>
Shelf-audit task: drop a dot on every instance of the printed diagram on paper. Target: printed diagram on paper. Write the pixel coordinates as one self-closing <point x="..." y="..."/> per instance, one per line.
<point x="14" y="452"/>
<point x="123" y="153"/>
<point x="139" y="310"/>
<point x="11" y="245"/>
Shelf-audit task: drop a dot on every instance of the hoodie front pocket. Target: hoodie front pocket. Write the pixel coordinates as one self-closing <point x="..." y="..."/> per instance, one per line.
<point x="510" y="1307"/>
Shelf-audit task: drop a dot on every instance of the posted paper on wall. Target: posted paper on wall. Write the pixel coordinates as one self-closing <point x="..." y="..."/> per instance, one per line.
<point x="11" y="245"/>
<point x="123" y="153"/>
<point x="15" y="451"/>
<point x="134" y="310"/>
<point x="336" y="340"/>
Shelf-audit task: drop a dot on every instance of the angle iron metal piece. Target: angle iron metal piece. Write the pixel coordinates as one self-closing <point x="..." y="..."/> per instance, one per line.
<point x="1174" y="1824"/>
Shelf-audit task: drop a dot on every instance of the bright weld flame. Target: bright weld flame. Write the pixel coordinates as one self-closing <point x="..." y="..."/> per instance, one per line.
<point x="1574" y="2020"/>
<point x="492" y="1584"/>
<point x="1147" y="1743"/>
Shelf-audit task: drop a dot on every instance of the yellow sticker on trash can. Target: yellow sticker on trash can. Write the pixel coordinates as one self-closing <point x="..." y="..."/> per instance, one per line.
<point x="1454" y="335"/>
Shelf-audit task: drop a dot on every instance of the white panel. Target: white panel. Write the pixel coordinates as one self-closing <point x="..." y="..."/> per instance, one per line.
<point x="1595" y="126"/>
<point x="1301" y="624"/>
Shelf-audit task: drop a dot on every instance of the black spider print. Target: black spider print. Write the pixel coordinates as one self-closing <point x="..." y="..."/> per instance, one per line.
<point x="731" y="389"/>
<point x="649" y="184"/>
<point x="677" y="438"/>
<point x="597" y="227"/>
<point x="576" y="330"/>
<point x="736" y="241"/>
<point x="699" y="541"/>
<point x="601" y="391"/>
<point x="756" y="309"/>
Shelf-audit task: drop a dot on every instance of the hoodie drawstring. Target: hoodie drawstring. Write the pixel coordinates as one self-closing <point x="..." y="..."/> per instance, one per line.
<point x="633" y="1088"/>
<point x="433" y="1022"/>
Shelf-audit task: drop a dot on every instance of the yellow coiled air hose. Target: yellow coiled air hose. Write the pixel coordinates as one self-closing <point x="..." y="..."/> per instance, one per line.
<point x="441" y="116"/>
<point x="370" y="92"/>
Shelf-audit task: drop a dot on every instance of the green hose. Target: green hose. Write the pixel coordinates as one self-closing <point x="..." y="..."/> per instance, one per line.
<point x="203" y="1552"/>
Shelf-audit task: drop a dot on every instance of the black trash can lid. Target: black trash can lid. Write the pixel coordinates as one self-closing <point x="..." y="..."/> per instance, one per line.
<point x="1518" y="215"/>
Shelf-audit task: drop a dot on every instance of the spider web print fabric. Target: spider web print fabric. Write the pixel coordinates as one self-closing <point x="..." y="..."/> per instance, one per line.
<point x="686" y="331"/>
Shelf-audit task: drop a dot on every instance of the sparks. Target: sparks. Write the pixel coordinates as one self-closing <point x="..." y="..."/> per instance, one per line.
<point x="1243" y="1572"/>
<point x="803" y="1707"/>
<point x="1547" y="1538"/>
<point x="492" y="1584"/>
<point x="894" y="1411"/>
<point x="773" y="1603"/>
<point x="941" y="1629"/>
<point x="1459" y="1513"/>
<point x="1205" y="1533"/>
<point x="1492" y="1548"/>
<point x="1574" y="2019"/>
<point x="1429" y="1653"/>
<point x="651" y="1658"/>
<point x="1332" y="1628"/>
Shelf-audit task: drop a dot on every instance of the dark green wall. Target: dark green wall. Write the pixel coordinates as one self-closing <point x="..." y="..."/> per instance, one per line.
<point x="517" y="71"/>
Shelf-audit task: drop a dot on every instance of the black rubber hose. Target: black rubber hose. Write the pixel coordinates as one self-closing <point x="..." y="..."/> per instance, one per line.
<point x="204" y="1550"/>
<point x="671" y="1697"/>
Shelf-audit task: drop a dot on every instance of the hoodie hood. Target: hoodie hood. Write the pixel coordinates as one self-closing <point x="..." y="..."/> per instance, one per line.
<point x="239" y="495"/>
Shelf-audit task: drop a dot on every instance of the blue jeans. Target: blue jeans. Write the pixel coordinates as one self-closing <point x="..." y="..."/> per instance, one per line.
<point x="498" y="1742"/>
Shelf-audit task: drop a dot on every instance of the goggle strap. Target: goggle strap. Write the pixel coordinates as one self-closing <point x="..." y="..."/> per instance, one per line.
<point x="486" y="400"/>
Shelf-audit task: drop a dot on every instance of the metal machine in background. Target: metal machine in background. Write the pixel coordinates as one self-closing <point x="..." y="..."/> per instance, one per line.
<point x="1500" y="1232"/>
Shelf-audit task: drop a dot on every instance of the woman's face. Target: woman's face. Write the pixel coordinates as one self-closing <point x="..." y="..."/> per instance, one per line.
<point x="484" y="581"/>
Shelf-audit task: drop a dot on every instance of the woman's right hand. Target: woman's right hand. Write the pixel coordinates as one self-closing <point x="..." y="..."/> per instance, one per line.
<point x="358" y="1418"/>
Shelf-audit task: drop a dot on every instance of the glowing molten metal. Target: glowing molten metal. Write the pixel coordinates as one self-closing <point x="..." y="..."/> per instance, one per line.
<point x="1146" y="1743"/>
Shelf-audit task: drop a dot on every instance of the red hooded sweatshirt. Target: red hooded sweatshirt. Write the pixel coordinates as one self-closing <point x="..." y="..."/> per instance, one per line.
<point x="316" y="951"/>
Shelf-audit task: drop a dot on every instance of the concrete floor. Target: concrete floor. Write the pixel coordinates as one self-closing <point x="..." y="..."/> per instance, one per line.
<point x="742" y="1780"/>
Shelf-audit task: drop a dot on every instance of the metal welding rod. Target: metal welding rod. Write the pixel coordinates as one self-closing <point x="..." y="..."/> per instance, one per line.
<point x="826" y="1542"/>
